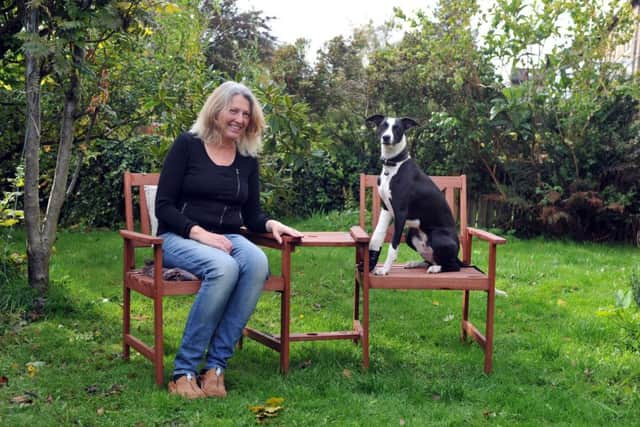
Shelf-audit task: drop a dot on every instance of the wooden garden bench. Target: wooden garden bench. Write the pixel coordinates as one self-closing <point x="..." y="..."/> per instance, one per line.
<point x="466" y="280"/>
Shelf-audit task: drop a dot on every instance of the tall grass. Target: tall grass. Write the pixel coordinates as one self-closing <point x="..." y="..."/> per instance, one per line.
<point x="562" y="352"/>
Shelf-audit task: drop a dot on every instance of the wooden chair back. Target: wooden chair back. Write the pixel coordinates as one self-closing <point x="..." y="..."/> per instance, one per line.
<point x="135" y="182"/>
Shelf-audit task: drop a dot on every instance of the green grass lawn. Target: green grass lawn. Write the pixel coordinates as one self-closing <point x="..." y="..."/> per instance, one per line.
<point x="562" y="355"/>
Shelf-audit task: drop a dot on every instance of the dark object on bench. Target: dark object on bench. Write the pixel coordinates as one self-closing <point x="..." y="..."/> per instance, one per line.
<point x="170" y="274"/>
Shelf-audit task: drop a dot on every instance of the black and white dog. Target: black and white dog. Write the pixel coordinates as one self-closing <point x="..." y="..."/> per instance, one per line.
<point x="410" y="198"/>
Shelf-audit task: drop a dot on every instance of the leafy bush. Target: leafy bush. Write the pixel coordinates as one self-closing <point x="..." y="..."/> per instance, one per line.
<point x="12" y="277"/>
<point x="97" y="200"/>
<point x="635" y="285"/>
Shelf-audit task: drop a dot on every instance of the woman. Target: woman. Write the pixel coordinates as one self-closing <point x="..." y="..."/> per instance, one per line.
<point x="208" y="189"/>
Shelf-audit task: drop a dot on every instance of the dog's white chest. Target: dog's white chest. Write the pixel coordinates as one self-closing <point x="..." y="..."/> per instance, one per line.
<point x="384" y="189"/>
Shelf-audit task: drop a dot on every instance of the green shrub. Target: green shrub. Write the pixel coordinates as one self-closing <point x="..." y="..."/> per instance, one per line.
<point x="635" y="285"/>
<point x="98" y="200"/>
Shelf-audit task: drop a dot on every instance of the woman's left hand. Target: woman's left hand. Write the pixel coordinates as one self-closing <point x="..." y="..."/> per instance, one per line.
<point x="278" y="229"/>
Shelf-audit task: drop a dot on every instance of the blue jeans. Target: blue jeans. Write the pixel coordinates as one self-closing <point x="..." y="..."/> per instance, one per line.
<point x="231" y="286"/>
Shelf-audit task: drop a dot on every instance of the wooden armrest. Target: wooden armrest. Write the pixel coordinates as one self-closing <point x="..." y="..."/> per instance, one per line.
<point x="485" y="235"/>
<point x="141" y="238"/>
<point x="359" y="235"/>
<point x="267" y="239"/>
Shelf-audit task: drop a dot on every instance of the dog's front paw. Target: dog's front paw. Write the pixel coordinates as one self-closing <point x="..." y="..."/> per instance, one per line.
<point x="381" y="271"/>
<point x="373" y="259"/>
<point x="434" y="269"/>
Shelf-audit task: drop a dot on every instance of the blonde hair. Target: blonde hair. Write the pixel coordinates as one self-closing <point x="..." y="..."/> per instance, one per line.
<point x="208" y="129"/>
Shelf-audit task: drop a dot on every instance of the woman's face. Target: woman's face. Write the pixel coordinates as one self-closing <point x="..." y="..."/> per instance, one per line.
<point x="235" y="118"/>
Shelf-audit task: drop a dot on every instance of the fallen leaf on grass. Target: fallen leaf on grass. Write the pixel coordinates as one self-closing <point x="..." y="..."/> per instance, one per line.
<point x="114" y="389"/>
<point x="275" y="401"/>
<point x="435" y="303"/>
<point x="489" y="414"/>
<point x="347" y="373"/>
<point x="22" y="400"/>
<point x="562" y="302"/>
<point x="256" y="408"/>
<point x="31" y="371"/>
<point x="435" y="396"/>
<point x="448" y="318"/>
<point x="270" y="409"/>
<point x="402" y="421"/>
<point x="100" y="412"/>
<point x="140" y="317"/>
<point x="4" y="381"/>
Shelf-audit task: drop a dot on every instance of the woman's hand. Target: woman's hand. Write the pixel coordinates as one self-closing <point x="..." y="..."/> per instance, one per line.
<point x="214" y="240"/>
<point x="278" y="229"/>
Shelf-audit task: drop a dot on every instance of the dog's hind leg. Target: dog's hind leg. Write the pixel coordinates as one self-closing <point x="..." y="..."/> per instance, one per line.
<point x="445" y="253"/>
<point x="417" y="264"/>
<point x="418" y="241"/>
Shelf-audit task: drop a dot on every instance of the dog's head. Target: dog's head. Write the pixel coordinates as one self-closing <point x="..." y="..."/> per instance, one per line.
<point x="391" y="130"/>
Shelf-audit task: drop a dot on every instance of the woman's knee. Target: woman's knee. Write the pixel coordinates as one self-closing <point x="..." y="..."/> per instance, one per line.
<point x="257" y="264"/>
<point x="219" y="267"/>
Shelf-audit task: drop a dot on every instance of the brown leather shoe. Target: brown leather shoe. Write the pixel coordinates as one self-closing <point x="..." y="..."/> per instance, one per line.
<point x="186" y="386"/>
<point x="212" y="383"/>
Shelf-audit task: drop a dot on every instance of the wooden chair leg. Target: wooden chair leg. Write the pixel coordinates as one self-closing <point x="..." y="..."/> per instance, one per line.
<point x="488" y="349"/>
<point x="356" y="305"/>
<point x="285" y="300"/>
<point x="365" y="321"/>
<point x="465" y="314"/>
<point x="158" y="350"/>
<point x="126" y="322"/>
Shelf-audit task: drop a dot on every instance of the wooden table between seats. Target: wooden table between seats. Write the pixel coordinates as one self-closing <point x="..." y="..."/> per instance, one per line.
<point x="282" y="343"/>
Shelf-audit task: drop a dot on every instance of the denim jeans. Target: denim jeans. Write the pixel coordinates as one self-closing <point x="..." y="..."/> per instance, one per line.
<point x="231" y="286"/>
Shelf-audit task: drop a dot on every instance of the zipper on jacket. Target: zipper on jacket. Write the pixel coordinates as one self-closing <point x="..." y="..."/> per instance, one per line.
<point x="224" y="211"/>
<point x="184" y="205"/>
<point x="238" y="182"/>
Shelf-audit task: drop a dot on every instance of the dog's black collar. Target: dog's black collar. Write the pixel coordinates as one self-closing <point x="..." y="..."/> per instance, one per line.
<point x="404" y="155"/>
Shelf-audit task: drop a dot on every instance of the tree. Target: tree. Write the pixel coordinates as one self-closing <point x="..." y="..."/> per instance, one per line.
<point x="230" y="34"/>
<point x="57" y="41"/>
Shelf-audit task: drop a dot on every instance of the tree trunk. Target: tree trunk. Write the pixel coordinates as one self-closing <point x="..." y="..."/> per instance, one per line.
<point x="63" y="159"/>
<point x="41" y="232"/>
<point x="37" y="251"/>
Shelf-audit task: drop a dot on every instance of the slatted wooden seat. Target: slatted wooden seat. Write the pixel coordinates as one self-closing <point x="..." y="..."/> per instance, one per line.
<point x="466" y="280"/>
<point x="156" y="288"/>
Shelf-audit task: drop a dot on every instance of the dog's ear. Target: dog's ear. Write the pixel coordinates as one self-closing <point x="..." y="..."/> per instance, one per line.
<point x="376" y="118"/>
<point x="408" y="123"/>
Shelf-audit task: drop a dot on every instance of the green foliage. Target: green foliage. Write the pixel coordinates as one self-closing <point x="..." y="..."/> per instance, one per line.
<point x="230" y="33"/>
<point x="12" y="277"/>
<point x="14" y="293"/>
<point x="556" y="150"/>
<point x="634" y="281"/>
<point x="550" y="346"/>
<point x="9" y="215"/>
<point x="98" y="199"/>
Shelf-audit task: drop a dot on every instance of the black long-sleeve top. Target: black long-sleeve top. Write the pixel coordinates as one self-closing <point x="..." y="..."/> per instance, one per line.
<point x="193" y="190"/>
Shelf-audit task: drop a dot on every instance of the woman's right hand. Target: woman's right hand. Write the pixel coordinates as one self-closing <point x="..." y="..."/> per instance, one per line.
<point x="214" y="240"/>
